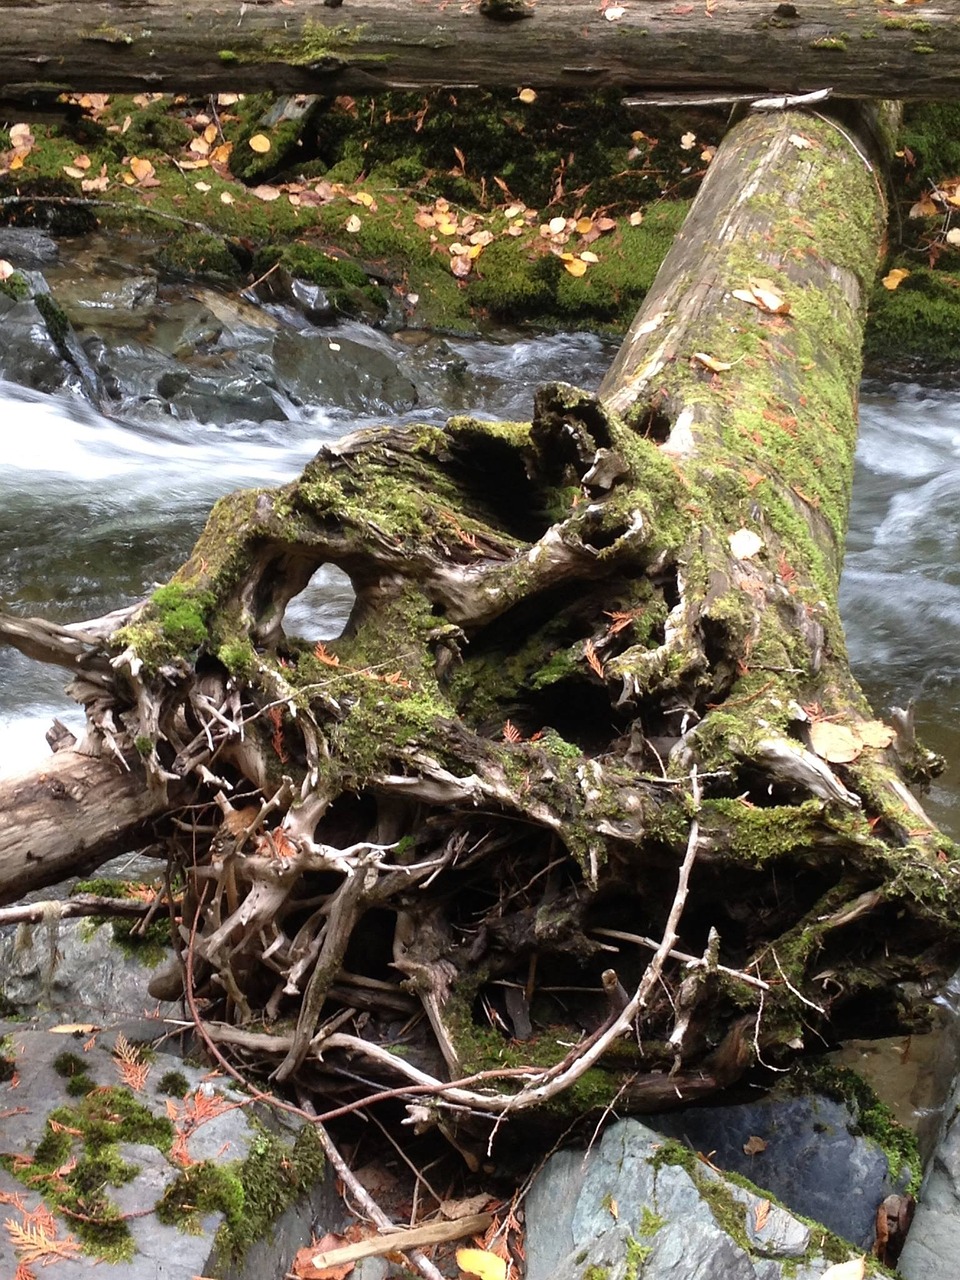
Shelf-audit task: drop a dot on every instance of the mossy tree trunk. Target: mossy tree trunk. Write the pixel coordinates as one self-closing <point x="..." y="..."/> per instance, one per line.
<point x="584" y="651"/>
<point x="365" y="46"/>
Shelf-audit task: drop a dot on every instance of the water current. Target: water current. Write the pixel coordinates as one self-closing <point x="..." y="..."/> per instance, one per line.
<point x="95" y="511"/>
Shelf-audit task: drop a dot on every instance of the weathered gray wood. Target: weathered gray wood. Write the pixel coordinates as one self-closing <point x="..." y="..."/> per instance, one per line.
<point x="367" y="45"/>
<point x="69" y="817"/>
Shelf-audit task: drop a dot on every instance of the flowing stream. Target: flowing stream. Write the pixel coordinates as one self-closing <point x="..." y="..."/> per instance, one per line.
<point x="95" y="511"/>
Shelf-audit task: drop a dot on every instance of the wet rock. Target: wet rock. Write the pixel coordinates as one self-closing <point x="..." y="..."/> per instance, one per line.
<point x="38" y="347"/>
<point x="626" y="1209"/>
<point x="933" y="1244"/>
<point x="26" y="247"/>
<point x="814" y="1159"/>
<point x="352" y="369"/>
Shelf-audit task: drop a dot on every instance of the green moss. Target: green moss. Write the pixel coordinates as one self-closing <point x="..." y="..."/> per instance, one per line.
<point x="173" y="622"/>
<point x="15" y="286"/>
<point x="348" y="285"/>
<point x="595" y="1272"/>
<point x="79" y="1086"/>
<point x="173" y="1083"/>
<point x="107" y="34"/>
<point x="239" y="657"/>
<point x="197" y="253"/>
<point x="907" y="24"/>
<point x="151" y="946"/>
<point x="921" y="318"/>
<point x="55" y="318"/>
<point x="8" y="1060"/>
<point x="315" y="42"/>
<point x="104" y="1118"/>
<point x="873" y="1117"/>
<point x="228" y="55"/>
<point x="635" y="1255"/>
<point x="68" y="1064"/>
<point x="250" y="1194"/>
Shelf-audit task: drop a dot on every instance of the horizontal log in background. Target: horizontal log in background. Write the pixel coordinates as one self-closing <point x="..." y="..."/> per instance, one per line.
<point x="362" y="46"/>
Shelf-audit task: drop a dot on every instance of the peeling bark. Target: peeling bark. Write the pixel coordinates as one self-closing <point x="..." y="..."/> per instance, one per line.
<point x="579" y="705"/>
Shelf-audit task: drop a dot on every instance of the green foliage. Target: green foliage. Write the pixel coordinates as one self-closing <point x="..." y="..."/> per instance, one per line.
<point x="921" y="318"/>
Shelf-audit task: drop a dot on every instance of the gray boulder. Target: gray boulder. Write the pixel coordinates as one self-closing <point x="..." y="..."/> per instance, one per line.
<point x="164" y="1173"/>
<point x="636" y="1207"/>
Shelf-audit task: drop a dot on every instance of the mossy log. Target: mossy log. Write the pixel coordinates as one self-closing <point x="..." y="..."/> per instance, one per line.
<point x="365" y="46"/>
<point x="588" y="654"/>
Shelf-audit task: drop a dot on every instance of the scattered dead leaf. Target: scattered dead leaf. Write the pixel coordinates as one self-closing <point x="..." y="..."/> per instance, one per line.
<point x="260" y="143"/>
<point x="856" y="1268"/>
<point x="753" y="1146"/>
<point x="874" y="733"/>
<point x="303" y="1262"/>
<point x="708" y="362"/>
<point x="575" y="266"/>
<point x="834" y="742"/>
<point x="893" y="279"/>
<point x="482" y="1263"/>
<point x="744" y="543"/>
<point x="590" y="653"/>
<point x="465" y="1208"/>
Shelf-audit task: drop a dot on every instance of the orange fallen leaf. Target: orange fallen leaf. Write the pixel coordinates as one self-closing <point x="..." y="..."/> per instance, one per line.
<point x="893" y="279"/>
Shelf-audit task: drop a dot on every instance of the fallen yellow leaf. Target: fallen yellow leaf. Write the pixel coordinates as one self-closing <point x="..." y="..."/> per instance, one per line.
<point x="874" y="733"/>
<point x="576" y="267"/>
<point x="259" y="143"/>
<point x="708" y="362"/>
<point x="481" y="1263"/>
<point x="893" y="278"/>
<point x="834" y="742"/>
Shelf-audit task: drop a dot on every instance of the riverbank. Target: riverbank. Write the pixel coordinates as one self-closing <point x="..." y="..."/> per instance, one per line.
<point x="449" y="212"/>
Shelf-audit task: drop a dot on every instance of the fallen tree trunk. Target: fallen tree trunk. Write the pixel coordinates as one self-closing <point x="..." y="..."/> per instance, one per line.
<point x="70" y="817"/>
<point x="593" y="698"/>
<point x="364" y="46"/>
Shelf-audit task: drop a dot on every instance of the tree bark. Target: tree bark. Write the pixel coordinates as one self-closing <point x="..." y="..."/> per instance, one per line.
<point x="593" y="697"/>
<point x="70" y="817"/>
<point x="365" y="46"/>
